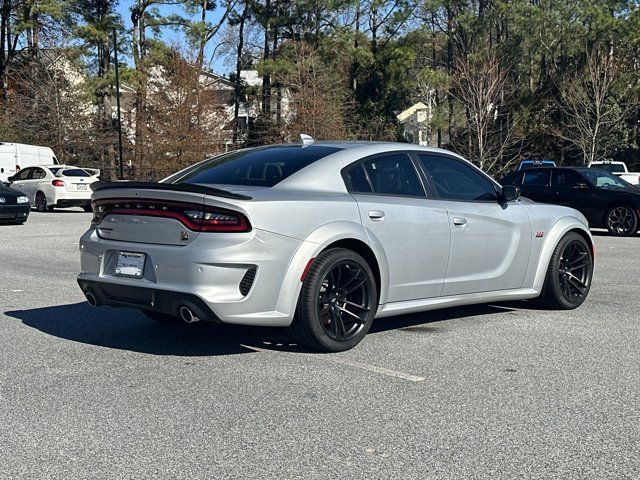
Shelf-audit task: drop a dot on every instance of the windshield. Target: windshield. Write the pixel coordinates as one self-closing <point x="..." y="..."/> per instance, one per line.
<point x="262" y="167"/>
<point x="602" y="179"/>
<point x="610" y="167"/>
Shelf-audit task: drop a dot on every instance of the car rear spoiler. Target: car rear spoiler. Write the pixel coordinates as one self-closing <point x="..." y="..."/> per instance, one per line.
<point x="93" y="171"/>
<point x="174" y="187"/>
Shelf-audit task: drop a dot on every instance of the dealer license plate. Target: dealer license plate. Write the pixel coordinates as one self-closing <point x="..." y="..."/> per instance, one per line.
<point x="130" y="264"/>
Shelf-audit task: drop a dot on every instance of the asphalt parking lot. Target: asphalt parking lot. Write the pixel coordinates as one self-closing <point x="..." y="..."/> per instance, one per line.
<point x="499" y="391"/>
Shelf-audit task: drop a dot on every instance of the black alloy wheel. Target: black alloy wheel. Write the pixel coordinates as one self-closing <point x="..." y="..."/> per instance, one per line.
<point x="344" y="301"/>
<point x="622" y="221"/>
<point x="574" y="271"/>
<point x="41" y="203"/>
<point x="337" y="302"/>
<point x="569" y="274"/>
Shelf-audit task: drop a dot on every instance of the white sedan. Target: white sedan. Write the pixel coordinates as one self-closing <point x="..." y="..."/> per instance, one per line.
<point x="59" y="186"/>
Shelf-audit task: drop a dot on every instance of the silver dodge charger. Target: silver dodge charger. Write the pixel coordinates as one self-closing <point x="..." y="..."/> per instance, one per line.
<point x="324" y="237"/>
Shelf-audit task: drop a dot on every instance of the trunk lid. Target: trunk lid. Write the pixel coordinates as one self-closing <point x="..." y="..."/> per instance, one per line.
<point x="152" y="213"/>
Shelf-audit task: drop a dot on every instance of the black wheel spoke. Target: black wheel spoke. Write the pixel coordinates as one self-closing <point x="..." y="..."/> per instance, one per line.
<point x="355" y="305"/>
<point x="344" y="310"/>
<point x="344" y="302"/>
<point x="357" y="286"/>
<point x="338" y="324"/>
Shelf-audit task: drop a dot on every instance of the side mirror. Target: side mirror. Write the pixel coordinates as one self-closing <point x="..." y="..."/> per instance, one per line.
<point x="509" y="193"/>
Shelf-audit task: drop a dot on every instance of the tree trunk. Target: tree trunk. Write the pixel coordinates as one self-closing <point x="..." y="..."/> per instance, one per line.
<point x="266" y="77"/>
<point x="238" y="80"/>
<point x="139" y="56"/>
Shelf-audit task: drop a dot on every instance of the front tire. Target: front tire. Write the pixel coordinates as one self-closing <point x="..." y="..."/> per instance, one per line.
<point x="41" y="203"/>
<point x="622" y="221"/>
<point x="337" y="302"/>
<point x="569" y="274"/>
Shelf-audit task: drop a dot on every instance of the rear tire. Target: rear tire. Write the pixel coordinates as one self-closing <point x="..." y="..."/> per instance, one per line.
<point x="337" y="302"/>
<point x="569" y="274"/>
<point x="621" y="221"/>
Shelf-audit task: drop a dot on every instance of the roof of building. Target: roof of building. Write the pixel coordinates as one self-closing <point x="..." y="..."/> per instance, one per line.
<point x="410" y="111"/>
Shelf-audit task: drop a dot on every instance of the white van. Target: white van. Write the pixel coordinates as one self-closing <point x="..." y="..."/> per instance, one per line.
<point x="14" y="156"/>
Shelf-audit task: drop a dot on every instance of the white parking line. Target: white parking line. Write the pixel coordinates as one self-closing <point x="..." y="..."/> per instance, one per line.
<point x="350" y="363"/>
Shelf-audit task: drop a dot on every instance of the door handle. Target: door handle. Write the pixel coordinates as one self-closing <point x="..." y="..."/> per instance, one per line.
<point x="459" y="221"/>
<point x="376" y="215"/>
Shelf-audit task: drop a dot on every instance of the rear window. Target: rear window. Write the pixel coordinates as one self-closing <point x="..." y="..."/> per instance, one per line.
<point x="609" y="167"/>
<point x="263" y="167"/>
<point x="75" y="172"/>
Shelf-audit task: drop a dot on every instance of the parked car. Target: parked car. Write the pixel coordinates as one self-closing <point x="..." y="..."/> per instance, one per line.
<point x="15" y="156"/>
<point x="530" y="163"/>
<point x="618" y="168"/>
<point x="59" y="186"/>
<point x="14" y="205"/>
<point x="323" y="237"/>
<point x="603" y="198"/>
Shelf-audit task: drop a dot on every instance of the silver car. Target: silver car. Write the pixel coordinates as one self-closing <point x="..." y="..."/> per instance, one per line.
<point x="324" y="237"/>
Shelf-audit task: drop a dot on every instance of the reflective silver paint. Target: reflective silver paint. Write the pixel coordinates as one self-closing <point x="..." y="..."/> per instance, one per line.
<point x="430" y="253"/>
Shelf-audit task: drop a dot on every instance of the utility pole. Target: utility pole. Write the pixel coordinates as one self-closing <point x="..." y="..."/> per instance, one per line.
<point x="115" y="53"/>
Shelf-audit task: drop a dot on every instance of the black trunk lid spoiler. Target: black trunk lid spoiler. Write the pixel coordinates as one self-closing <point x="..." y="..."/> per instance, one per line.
<point x="174" y="187"/>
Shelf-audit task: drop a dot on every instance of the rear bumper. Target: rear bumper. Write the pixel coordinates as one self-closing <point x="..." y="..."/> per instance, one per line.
<point x="15" y="213"/>
<point x="70" y="199"/>
<point x="212" y="273"/>
<point x="149" y="299"/>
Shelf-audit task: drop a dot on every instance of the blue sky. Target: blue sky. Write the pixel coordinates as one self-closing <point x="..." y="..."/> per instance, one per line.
<point x="173" y="36"/>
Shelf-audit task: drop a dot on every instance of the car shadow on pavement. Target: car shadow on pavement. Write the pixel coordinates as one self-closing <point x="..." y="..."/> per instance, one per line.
<point x="127" y="329"/>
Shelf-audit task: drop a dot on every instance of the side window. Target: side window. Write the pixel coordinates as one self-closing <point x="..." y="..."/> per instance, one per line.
<point x="536" y="178"/>
<point x="566" y="178"/>
<point x="394" y="175"/>
<point x="455" y="180"/>
<point x="23" y="174"/>
<point x="38" y="173"/>
<point x="357" y="181"/>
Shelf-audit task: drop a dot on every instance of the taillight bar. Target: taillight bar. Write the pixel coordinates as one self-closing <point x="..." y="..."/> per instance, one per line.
<point x="196" y="217"/>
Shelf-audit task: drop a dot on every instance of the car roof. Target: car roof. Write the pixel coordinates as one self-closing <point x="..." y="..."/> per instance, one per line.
<point x="317" y="176"/>
<point x="354" y="145"/>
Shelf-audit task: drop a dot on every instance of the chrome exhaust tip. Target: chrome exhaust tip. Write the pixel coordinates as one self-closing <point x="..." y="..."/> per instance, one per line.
<point x="91" y="299"/>
<point x="187" y="315"/>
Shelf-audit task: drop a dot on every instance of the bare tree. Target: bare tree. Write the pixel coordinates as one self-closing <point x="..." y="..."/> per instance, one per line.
<point x="593" y="114"/>
<point x="48" y="108"/>
<point x="316" y="98"/>
<point x="479" y="84"/>
<point x="187" y="119"/>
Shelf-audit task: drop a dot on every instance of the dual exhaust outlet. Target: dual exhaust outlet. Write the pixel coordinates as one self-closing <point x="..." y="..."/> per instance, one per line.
<point x="186" y="313"/>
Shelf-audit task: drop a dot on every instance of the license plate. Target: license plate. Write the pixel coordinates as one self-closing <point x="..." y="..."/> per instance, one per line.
<point x="82" y="186"/>
<point x="130" y="264"/>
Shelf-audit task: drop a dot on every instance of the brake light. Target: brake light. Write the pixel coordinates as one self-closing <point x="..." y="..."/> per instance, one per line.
<point x="57" y="183"/>
<point x="199" y="218"/>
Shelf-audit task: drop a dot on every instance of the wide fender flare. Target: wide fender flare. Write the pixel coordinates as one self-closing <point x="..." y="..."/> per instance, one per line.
<point x="312" y="246"/>
<point x="555" y="234"/>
